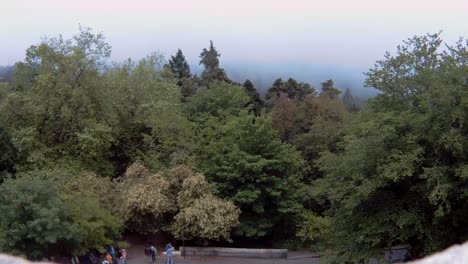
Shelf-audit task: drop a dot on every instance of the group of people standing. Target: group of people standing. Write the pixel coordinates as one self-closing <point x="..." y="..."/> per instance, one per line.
<point x="150" y="250"/>
<point x="115" y="256"/>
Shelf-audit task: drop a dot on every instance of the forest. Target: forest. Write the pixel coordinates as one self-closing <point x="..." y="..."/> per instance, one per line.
<point x="92" y="149"/>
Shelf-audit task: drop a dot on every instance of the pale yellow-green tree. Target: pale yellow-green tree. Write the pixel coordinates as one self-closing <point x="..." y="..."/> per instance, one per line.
<point x="177" y="200"/>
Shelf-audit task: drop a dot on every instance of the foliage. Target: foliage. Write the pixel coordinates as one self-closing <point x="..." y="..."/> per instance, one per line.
<point x="58" y="94"/>
<point x="291" y="89"/>
<point x="179" y="66"/>
<point x="88" y="198"/>
<point x="349" y="101"/>
<point x="7" y="155"/>
<point x="150" y="202"/>
<point x="35" y="220"/>
<point x="255" y="100"/>
<point x="147" y="113"/>
<point x="248" y="164"/>
<point x="202" y="214"/>
<point x="399" y="175"/>
<point x="282" y="116"/>
<point x="328" y="89"/>
<point x="220" y="99"/>
<point x="299" y="167"/>
<point x="212" y="71"/>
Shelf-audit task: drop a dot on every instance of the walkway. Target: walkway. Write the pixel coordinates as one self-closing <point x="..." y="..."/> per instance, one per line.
<point x="136" y="256"/>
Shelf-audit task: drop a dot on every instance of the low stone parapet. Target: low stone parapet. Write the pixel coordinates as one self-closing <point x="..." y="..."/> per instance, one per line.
<point x="234" y="252"/>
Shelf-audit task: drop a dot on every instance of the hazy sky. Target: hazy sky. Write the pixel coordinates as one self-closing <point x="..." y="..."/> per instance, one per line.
<point x="348" y="32"/>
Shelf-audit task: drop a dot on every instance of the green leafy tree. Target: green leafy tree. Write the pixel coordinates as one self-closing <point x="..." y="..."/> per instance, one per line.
<point x="58" y="94"/>
<point x="291" y="89"/>
<point x="52" y="212"/>
<point x="36" y="220"/>
<point x="282" y="117"/>
<point x="209" y="59"/>
<point x="219" y="100"/>
<point x="89" y="200"/>
<point x="248" y="164"/>
<point x="148" y="118"/>
<point x="399" y="175"/>
<point x="7" y="155"/>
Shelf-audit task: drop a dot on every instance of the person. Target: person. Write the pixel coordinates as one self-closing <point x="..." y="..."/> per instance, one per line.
<point x="123" y="256"/>
<point x="154" y="251"/>
<point x="111" y="251"/>
<point x="168" y="245"/>
<point x="109" y="258"/>
<point x="169" y="252"/>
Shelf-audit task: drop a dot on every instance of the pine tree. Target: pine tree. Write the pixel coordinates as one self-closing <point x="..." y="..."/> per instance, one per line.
<point x="209" y="59"/>
<point x="179" y="65"/>
<point x="349" y="101"/>
<point x="255" y="99"/>
<point x="328" y="88"/>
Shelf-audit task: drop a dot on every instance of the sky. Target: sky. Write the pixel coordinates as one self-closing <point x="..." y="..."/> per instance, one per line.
<point x="352" y="33"/>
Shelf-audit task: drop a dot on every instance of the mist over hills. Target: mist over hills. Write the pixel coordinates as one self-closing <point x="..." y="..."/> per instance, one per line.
<point x="263" y="74"/>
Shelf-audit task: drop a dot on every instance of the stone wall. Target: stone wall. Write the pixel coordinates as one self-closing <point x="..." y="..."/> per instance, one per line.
<point x="234" y="252"/>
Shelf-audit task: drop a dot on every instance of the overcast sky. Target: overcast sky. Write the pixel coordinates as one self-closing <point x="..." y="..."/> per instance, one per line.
<point x="356" y="32"/>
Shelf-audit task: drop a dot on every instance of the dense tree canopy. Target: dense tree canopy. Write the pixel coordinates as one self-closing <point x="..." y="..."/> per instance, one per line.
<point x="248" y="164"/>
<point x="54" y="212"/>
<point x="399" y="175"/>
<point x="90" y="149"/>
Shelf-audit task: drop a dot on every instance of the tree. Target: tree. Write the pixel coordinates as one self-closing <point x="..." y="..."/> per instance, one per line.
<point x="291" y="88"/>
<point x="202" y="214"/>
<point x="212" y="71"/>
<point x="151" y="201"/>
<point x="328" y="88"/>
<point x="7" y="155"/>
<point x="219" y="100"/>
<point x="89" y="200"/>
<point x="147" y="115"/>
<point x="247" y="164"/>
<point x="399" y="175"/>
<point x="36" y="221"/>
<point x="282" y="117"/>
<point x="179" y="66"/>
<point x="256" y="101"/>
<point x="349" y="101"/>
<point x="55" y="212"/>
<point x="59" y="93"/>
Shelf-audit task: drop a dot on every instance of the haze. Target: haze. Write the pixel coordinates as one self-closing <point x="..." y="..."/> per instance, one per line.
<point x="350" y="35"/>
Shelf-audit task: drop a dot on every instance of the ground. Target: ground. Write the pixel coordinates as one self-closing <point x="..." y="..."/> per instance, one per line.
<point x="136" y="256"/>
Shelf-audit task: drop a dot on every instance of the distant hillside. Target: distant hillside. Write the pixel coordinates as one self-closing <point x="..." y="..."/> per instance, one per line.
<point x="263" y="75"/>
